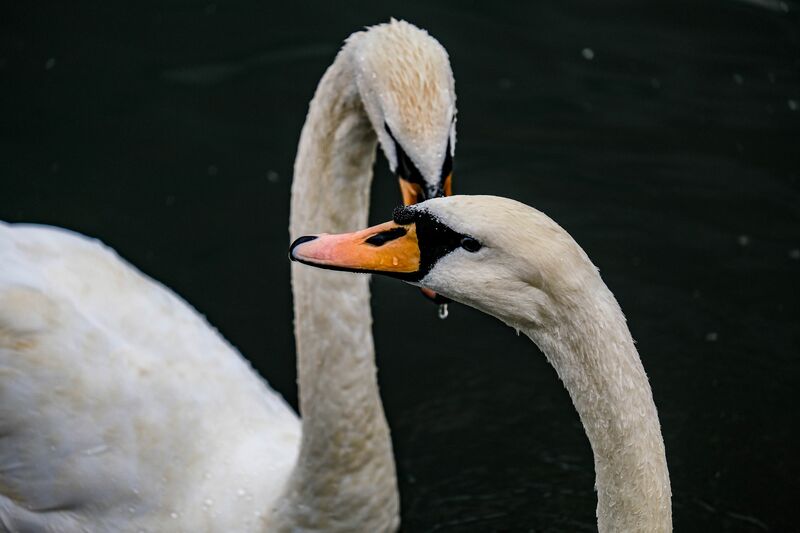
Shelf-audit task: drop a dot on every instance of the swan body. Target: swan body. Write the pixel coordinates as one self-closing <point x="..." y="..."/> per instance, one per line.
<point x="122" y="409"/>
<point x="513" y="262"/>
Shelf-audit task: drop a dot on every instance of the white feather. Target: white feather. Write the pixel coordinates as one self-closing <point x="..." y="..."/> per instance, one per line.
<point x="120" y="404"/>
<point x="533" y="276"/>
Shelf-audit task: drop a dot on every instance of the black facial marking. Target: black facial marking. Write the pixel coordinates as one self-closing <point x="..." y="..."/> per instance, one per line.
<point x="435" y="239"/>
<point x="379" y="239"/>
<point x="408" y="171"/>
<point x="405" y="167"/>
<point x="404" y="215"/>
<point x="447" y="166"/>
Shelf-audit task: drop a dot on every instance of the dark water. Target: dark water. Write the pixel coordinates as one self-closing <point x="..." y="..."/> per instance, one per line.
<point x="168" y="129"/>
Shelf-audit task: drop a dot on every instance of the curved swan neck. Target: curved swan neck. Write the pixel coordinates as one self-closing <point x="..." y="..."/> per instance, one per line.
<point x="591" y="348"/>
<point x="344" y="478"/>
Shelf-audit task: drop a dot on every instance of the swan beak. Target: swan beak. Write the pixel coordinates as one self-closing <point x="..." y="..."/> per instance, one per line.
<point x="387" y="248"/>
<point x="414" y="193"/>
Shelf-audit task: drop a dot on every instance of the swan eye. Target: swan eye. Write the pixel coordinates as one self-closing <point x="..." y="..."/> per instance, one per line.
<point x="471" y="245"/>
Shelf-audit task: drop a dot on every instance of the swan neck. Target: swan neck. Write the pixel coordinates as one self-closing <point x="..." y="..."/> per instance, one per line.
<point x="344" y="478"/>
<point x="591" y="348"/>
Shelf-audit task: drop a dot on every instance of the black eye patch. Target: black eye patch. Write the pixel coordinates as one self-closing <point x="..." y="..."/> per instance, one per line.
<point x="379" y="239"/>
<point x="435" y="239"/>
<point x="405" y="167"/>
<point x="447" y="166"/>
<point x="408" y="171"/>
<point x="404" y="215"/>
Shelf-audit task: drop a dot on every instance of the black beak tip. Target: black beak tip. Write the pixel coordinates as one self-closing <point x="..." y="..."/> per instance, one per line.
<point x="297" y="242"/>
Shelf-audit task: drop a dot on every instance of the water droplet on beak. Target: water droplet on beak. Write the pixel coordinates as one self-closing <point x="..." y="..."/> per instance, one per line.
<point x="443" y="311"/>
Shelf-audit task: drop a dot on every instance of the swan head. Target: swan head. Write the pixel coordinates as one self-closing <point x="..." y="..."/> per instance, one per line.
<point x="495" y="254"/>
<point x="406" y="84"/>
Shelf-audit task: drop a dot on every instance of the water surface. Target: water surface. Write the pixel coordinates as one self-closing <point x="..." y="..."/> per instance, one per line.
<point x="663" y="135"/>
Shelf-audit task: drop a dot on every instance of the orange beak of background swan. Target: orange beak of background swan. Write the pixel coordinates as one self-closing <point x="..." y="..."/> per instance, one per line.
<point x="413" y="193"/>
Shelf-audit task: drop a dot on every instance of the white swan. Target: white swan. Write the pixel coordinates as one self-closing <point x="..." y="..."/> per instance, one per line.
<point x="122" y="410"/>
<point x="513" y="262"/>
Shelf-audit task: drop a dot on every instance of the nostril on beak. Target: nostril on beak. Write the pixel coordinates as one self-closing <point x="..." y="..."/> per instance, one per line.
<point x="298" y="242"/>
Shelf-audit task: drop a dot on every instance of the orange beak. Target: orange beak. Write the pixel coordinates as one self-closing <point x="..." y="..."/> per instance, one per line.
<point x="414" y="194"/>
<point x="387" y="248"/>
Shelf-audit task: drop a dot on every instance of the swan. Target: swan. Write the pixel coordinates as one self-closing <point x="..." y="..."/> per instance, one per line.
<point x="122" y="409"/>
<point x="513" y="262"/>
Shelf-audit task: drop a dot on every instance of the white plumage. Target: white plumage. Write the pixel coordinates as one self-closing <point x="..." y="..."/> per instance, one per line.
<point x="533" y="276"/>
<point x="513" y="262"/>
<point x="121" y="409"/>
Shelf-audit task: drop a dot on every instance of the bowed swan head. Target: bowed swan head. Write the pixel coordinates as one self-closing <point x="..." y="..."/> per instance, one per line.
<point x="404" y="78"/>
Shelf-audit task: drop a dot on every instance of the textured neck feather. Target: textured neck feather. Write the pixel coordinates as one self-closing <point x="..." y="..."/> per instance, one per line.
<point x="344" y="479"/>
<point x="591" y="348"/>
